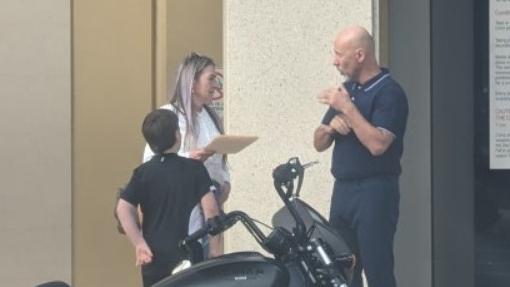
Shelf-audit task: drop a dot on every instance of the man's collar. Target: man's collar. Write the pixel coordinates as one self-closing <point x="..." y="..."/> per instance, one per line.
<point x="370" y="84"/>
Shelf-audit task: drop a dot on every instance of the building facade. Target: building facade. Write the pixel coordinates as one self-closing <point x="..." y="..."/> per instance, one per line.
<point x="77" y="78"/>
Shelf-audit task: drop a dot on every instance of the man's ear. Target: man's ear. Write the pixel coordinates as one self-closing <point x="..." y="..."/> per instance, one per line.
<point x="360" y="55"/>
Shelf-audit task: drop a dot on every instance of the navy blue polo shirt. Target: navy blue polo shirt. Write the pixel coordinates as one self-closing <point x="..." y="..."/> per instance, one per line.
<point x="383" y="103"/>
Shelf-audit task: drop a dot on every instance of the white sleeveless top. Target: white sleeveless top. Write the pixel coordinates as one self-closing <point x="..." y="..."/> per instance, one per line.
<point x="207" y="132"/>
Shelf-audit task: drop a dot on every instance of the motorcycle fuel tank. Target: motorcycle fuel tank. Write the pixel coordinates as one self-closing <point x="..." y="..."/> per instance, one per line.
<point x="244" y="269"/>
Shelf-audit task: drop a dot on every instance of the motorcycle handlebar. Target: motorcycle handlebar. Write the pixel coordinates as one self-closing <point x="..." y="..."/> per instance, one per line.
<point x="212" y="226"/>
<point x="282" y="175"/>
<point x="195" y="235"/>
<point x="223" y="222"/>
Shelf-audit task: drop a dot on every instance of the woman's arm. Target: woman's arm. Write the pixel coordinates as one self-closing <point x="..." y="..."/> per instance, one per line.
<point x="210" y="208"/>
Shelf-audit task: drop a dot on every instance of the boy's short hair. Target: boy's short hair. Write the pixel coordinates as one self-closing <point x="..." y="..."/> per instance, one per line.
<point x="159" y="128"/>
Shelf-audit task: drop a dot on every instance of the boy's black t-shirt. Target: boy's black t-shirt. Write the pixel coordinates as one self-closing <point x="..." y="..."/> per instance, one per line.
<point x="167" y="188"/>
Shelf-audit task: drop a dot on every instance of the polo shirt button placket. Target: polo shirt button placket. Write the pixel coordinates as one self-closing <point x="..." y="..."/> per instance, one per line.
<point x="356" y="87"/>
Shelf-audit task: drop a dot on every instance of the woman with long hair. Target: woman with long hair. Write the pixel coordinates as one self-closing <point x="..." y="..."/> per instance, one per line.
<point x="199" y="124"/>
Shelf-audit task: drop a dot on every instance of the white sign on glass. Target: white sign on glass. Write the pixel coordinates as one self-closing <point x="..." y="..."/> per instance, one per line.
<point x="499" y="74"/>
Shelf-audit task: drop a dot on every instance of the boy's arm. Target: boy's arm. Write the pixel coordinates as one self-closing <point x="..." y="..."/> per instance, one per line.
<point x="210" y="208"/>
<point x="128" y="218"/>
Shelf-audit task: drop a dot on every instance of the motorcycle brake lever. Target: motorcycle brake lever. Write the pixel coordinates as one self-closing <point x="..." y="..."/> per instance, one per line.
<point x="307" y="165"/>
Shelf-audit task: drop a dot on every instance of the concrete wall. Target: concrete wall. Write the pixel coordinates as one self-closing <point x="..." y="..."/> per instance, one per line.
<point x="409" y="62"/>
<point x="112" y="45"/>
<point x="35" y="141"/>
<point x="278" y="57"/>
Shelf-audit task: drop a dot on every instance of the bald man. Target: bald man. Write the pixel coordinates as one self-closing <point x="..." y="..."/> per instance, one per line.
<point x="366" y="121"/>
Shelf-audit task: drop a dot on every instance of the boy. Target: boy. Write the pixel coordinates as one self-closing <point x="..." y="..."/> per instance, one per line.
<point x="166" y="188"/>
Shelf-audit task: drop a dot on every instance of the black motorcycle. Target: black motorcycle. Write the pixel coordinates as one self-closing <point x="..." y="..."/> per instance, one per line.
<point x="307" y="250"/>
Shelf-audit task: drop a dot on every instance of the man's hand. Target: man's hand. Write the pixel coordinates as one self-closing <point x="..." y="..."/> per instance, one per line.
<point x="143" y="254"/>
<point x="376" y="140"/>
<point x="200" y="154"/>
<point x="340" y="124"/>
<point x="326" y="129"/>
<point x="338" y="98"/>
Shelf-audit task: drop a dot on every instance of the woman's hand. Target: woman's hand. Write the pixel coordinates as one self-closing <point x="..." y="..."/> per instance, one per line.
<point x="200" y="154"/>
